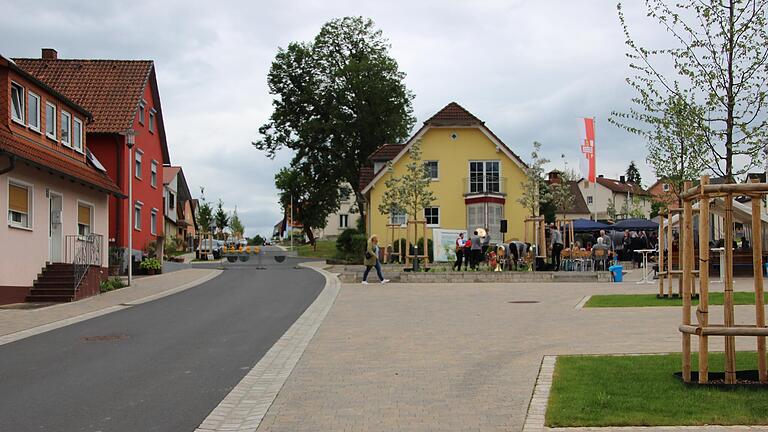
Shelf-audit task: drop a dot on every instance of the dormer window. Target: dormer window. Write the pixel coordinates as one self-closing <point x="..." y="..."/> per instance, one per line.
<point x="141" y="112"/>
<point x="33" y="111"/>
<point x="66" y="128"/>
<point x="77" y="136"/>
<point x="50" y="120"/>
<point x="17" y="102"/>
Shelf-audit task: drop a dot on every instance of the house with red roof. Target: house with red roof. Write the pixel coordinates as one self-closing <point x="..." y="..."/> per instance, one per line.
<point x="476" y="178"/>
<point x="621" y="194"/>
<point x="180" y="223"/>
<point x="122" y="96"/>
<point x="54" y="191"/>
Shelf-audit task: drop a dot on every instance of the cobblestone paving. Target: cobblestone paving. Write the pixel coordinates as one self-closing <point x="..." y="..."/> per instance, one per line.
<point x="16" y="324"/>
<point x="459" y="357"/>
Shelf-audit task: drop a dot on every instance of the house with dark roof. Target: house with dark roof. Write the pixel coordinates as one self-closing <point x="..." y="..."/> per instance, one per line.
<point x="475" y="177"/>
<point x="180" y="224"/>
<point x="122" y="96"/>
<point x="619" y="193"/>
<point x="578" y="208"/>
<point x="54" y="192"/>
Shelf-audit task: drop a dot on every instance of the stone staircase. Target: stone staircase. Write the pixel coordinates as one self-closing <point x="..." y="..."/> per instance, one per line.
<point x="55" y="284"/>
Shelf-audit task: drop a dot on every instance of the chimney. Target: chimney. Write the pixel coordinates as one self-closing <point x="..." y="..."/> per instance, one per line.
<point x="600" y="176"/>
<point x="50" y="54"/>
<point x="554" y="177"/>
<point x="623" y="179"/>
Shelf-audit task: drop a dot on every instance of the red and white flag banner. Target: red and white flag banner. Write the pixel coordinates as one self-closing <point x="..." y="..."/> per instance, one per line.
<point x="587" y="164"/>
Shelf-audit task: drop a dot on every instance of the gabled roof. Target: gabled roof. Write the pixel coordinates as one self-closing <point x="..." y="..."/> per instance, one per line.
<point x="169" y="172"/>
<point x="386" y="152"/>
<point x="366" y="175"/>
<point x="452" y="114"/>
<point x="579" y="205"/>
<point x="625" y="187"/>
<point x="47" y="159"/>
<point x="110" y="89"/>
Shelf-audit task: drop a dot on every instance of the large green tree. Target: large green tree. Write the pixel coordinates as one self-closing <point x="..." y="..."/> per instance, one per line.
<point x="633" y="174"/>
<point x="718" y="63"/>
<point x="204" y="213"/>
<point x="313" y="195"/>
<point x="236" y="225"/>
<point x="220" y="217"/>
<point x="337" y="99"/>
<point x="534" y="187"/>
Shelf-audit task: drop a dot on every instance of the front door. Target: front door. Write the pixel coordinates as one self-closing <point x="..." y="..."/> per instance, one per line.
<point x="55" y="228"/>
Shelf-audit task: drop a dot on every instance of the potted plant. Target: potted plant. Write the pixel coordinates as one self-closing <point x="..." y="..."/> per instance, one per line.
<point x="151" y="266"/>
<point x="115" y="260"/>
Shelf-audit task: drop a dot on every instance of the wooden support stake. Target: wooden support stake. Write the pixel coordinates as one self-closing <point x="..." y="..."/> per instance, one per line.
<point x="757" y="266"/>
<point x="661" y="255"/>
<point x="702" y="312"/>
<point x="670" y="238"/>
<point x="728" y="311"/>
<point x="685" y="253"/>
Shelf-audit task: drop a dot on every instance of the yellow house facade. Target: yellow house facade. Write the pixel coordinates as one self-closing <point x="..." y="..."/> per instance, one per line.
<point x="476" y="178"/>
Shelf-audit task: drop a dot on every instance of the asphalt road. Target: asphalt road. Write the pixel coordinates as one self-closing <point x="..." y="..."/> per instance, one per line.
<point x="160" y="366"/>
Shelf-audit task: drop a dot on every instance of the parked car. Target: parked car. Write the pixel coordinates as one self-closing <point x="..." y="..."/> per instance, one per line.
<point x="215" y="247"/>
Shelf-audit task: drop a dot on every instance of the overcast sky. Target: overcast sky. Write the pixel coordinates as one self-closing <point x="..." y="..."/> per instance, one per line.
<point x="529" y="69"/>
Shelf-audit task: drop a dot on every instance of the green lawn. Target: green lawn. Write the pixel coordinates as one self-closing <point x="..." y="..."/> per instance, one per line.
<point x="650" y="300"/>
<point x="642" y="391"/>
<point x="325" y="249"/>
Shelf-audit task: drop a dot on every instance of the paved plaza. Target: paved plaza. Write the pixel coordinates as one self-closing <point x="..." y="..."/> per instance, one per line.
<point x="456" y="357"/>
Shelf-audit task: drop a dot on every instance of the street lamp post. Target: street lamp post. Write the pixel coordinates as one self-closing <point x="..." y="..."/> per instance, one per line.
<point x="130" y="141"/>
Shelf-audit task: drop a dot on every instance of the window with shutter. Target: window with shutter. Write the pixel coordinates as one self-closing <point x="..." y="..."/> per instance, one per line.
<point x="84" y="215"/>
<point x="19" y="197"/>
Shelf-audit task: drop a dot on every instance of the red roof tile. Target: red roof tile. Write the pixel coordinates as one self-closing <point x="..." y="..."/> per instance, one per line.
<point x="453" y="114"/>
<point x="53" y="161"/>
<point x="109" y="89"/>
<point x="386" y="152"/>
<point x="169" y="172"/>
<point x="618" y="186"/>
<point x="366" y="175"/>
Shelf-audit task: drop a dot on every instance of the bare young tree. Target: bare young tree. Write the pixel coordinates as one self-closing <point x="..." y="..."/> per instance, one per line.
<point x="718" y="69"/>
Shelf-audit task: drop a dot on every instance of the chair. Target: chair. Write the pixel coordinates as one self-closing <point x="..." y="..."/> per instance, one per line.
<point x="601" y="257"/>
<point x="565" y="259"/>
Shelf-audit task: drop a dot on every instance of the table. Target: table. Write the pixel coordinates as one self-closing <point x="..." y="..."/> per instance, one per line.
<point x="721" y="252"/>
<point x="645" y="253"/>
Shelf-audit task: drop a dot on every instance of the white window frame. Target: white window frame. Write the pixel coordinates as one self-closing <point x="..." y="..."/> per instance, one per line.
<point x="31" y="95"/>
<point x="437" y="164"/>
<point x="153" y="221"/>
<point x="142" y="112"/>
<point x="137" y="164"/>
<point x="77" y="140"/>
<point x="153" y="173"/>
<point x="590" y="199"/>
<point x="21" y="92"/>
<point x="438" y="216"/>
<point x="344" y="221"/>
<point x="485" y="176"/>
<point x="51" y="122"/>
<point x="92" y="209"/>
<point x="151" y="120"/>
<point x="171" y="200"/>
<point x="401" y="218"/>
<point x="30" y="203"/>
<point x="68" y="124"/>
<point x="137" y="206"/>
<point x="665" y="187"/>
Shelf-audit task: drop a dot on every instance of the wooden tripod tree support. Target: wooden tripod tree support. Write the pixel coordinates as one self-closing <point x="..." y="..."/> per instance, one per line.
<point x="411" y="256"/>
<point x="566" y="226"/>
<point x="703" y="194"/>
<point x="538" y="229"/>
<point x="393" y="232"/>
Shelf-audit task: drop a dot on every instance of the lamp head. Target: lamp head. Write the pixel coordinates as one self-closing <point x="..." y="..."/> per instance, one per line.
<point x="130" y="138"/>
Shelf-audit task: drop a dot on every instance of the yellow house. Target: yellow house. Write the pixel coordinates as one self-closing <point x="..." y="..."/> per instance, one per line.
<point x="476" y="178"/>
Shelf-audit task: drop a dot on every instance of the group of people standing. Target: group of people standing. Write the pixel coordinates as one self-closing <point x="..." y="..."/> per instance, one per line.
<point x="471" y="252"/>
<point x="622" y="247"/>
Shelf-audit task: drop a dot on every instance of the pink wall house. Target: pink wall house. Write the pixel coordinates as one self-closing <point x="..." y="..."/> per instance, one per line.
<point x="53" y="193"/>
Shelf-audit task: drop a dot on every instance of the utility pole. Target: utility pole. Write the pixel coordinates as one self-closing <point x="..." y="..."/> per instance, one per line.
<point x="290" y="231"/>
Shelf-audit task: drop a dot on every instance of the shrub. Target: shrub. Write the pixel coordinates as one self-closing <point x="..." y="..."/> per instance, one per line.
<point x="344" y="242"/>
<point x="150" y="264"/>
<point x="111" y="284"/>
<point x="357" y="252"/>
<point x="420" y="247"/>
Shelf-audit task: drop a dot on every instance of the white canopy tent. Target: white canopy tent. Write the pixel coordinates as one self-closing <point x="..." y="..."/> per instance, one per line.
<point x="742" y="213"/>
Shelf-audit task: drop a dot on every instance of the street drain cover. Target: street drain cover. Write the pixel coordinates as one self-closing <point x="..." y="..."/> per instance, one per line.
<point x="104" y="338"/>
<point x="523" y="301"/>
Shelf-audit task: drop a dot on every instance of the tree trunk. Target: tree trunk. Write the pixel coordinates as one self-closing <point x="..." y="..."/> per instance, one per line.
<point x="311" y="236"/>
<point x="360" y="199"/>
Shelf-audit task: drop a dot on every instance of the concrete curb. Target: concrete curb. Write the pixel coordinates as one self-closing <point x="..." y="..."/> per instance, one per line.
<point x="13" y="337"/>
<point x="245" y="406"/>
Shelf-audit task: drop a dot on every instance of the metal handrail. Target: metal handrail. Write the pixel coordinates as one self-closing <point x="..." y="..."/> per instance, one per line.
<point x="83" y="251"/>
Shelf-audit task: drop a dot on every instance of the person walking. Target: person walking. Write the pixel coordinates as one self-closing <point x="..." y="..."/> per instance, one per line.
<point x="477" y="249"/>
<point x="459" y="252"/>
<point x="467" y="253"/>
<point x="556" y="244"/>
<point x="372" y="260"/>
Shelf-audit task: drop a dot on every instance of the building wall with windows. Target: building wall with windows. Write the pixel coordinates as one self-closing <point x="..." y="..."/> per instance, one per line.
<point x="461" y="160"/>
<point x="346" y="217"/>
<point x="27" y="245"/>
